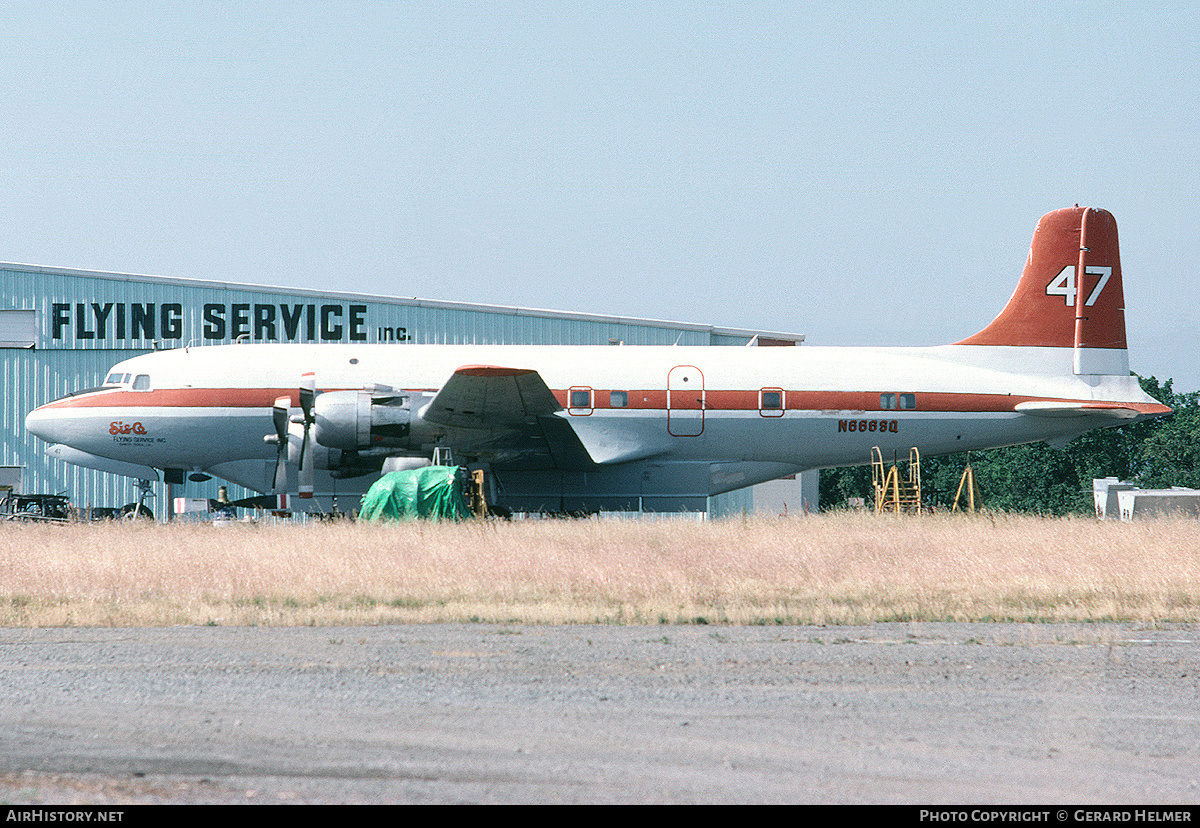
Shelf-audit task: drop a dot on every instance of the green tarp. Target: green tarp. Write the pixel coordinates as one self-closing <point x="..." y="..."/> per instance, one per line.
<point x="430" y="493"/>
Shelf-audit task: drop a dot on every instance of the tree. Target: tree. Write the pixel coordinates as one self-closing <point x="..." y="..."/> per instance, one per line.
<point x="1170" y="452"/>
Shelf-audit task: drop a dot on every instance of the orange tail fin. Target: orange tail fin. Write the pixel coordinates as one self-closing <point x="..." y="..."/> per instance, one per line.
<point x="1054" y="307"/>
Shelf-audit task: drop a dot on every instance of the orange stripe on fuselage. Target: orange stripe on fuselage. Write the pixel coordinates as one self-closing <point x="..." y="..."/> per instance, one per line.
<point x="179" y="398"/>
<point x="714" y="400"/>
<point x="726" y="400"/>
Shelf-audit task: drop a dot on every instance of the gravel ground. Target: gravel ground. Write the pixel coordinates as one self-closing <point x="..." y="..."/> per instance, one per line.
<point x="888" y="713"/>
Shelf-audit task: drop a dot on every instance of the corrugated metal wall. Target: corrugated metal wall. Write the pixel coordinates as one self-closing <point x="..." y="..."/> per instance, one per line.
<point x="85" y="322"/>
<point x="32" y="377"/>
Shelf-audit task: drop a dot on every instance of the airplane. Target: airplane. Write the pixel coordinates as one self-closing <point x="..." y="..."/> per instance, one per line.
<point x="579" y="428"/>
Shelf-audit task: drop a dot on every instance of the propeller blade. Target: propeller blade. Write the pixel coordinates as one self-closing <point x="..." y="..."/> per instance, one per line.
<point x="306" y="466"/>
<point x="279" y="413"/>
<point x="308" y="395"/>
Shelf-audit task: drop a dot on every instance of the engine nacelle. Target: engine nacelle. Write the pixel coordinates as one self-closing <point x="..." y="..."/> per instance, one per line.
<point x="358" y="420"/>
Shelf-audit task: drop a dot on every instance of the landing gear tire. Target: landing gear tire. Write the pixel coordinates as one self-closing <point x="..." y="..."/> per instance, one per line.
<point x="131" y="511"/>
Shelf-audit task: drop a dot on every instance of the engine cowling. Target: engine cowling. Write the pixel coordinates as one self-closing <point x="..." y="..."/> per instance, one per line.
<point x="341" y="463"/>
<point x="358" y="420"/>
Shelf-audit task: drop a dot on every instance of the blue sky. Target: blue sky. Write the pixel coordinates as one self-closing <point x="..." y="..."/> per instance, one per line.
<point x="862" y="173"/>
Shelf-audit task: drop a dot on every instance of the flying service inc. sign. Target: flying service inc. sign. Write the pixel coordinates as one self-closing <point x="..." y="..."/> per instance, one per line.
<point x="128" y="322"/>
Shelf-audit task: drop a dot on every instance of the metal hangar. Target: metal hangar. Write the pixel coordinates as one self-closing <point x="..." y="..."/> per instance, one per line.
<point x="61" y="329"/>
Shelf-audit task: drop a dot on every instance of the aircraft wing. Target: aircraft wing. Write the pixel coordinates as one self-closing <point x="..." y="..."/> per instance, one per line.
<point x="491" y="397"/>
<point x="508" y="414"/>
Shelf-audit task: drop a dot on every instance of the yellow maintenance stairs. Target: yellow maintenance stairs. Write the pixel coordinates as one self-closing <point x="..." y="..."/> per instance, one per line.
<point x="895" y="492"/>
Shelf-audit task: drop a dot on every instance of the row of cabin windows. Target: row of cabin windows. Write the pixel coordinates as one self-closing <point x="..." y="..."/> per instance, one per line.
<point x="892" y="401"/>
<point x="582" y="398"/>
<point x="140" y="383"/>
<point x="771" y="400"/>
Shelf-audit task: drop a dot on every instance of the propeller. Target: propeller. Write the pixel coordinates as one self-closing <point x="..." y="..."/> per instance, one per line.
<point x="308" y="395"/>
<point x="279" y="413"/>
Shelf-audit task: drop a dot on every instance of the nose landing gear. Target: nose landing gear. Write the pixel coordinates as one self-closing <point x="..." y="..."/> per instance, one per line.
<point x="138" y="510"/>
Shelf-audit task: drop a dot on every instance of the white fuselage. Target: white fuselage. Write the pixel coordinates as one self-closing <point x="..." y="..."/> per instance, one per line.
<point x="735" y="416"/>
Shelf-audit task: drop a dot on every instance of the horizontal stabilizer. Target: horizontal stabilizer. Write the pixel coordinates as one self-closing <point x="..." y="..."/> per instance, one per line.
<point x="1113" y="410"/>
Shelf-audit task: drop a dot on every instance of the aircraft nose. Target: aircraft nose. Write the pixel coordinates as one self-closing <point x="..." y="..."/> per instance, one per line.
<point x="56" y="423"/>
<point x="44" y="422"/>
<point x="79" y="420"/>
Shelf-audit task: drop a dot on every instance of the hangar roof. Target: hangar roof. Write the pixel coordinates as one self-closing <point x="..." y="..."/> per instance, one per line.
<point x="406" y="301"/>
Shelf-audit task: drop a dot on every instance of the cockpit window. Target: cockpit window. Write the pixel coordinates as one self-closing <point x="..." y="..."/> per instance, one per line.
<point x="115" y="378"/>
<point x="142" y="382"/>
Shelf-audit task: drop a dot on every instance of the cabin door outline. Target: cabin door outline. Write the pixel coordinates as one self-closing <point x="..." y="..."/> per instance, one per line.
<point x="685" y="401"/>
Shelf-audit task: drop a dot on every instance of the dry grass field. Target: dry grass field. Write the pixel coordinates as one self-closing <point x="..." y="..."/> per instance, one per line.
<point x="819" y="569"/>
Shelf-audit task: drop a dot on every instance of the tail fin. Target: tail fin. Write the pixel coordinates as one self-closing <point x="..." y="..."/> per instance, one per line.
<point x="1054" y="307"/>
